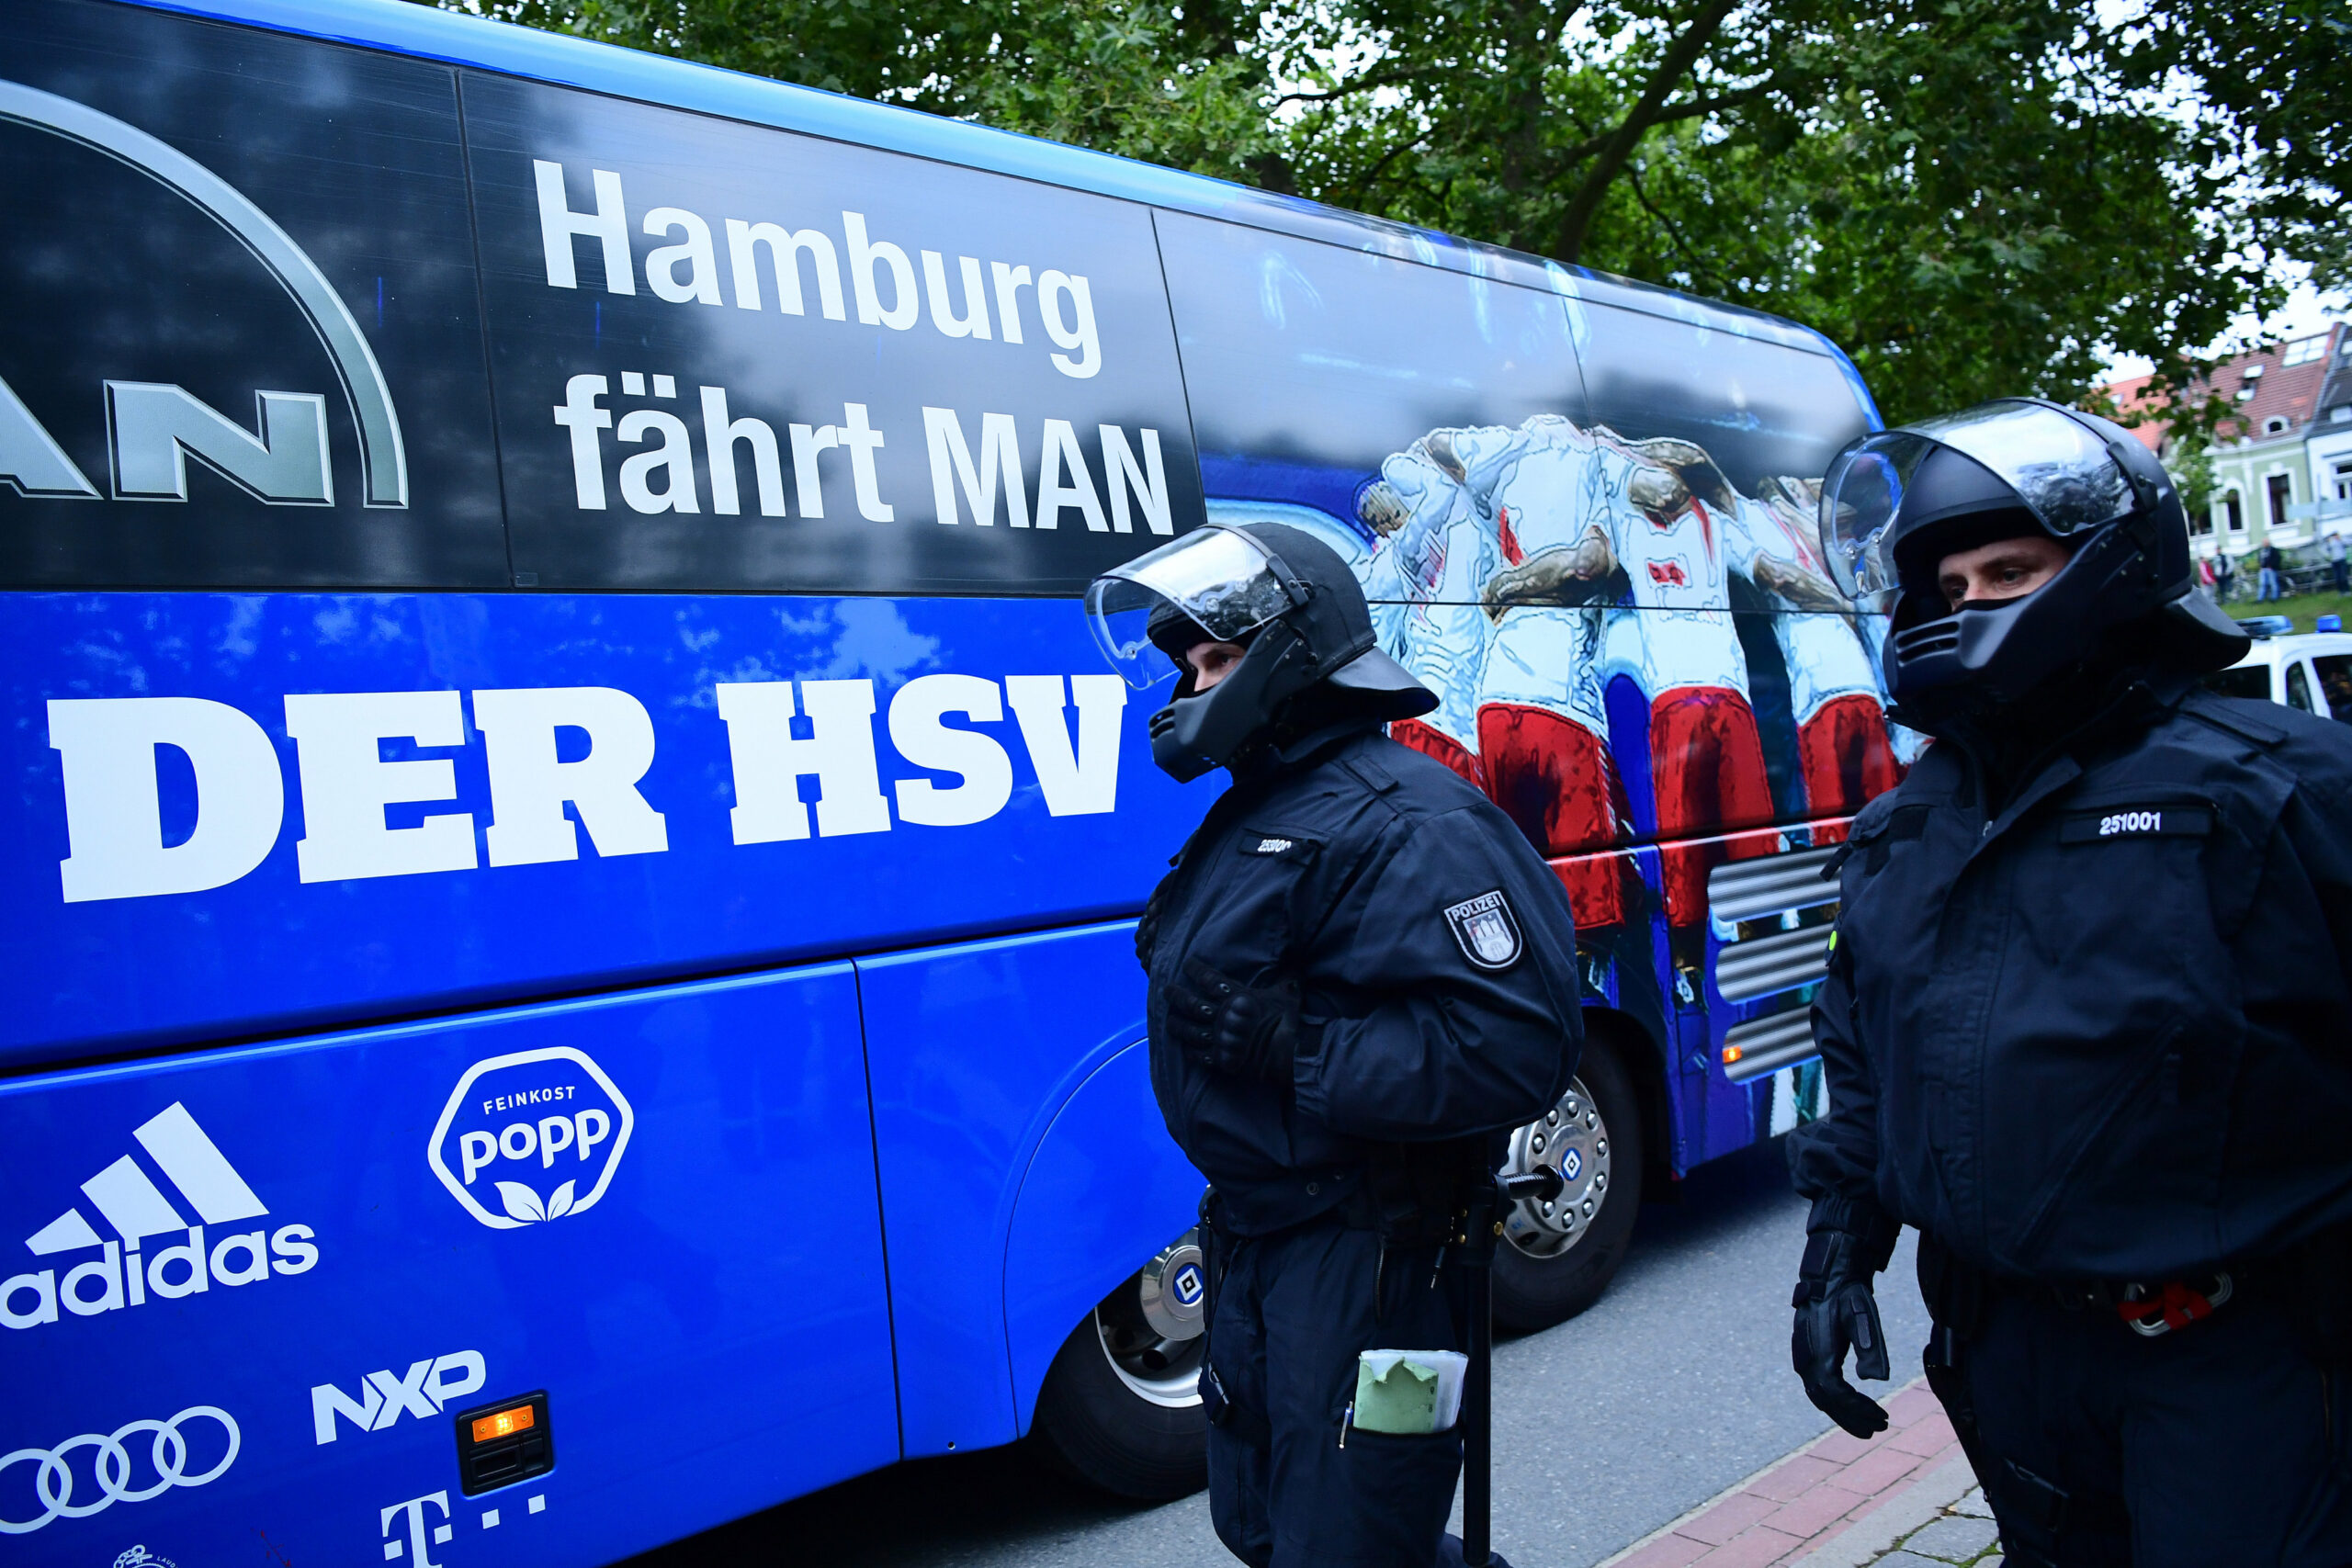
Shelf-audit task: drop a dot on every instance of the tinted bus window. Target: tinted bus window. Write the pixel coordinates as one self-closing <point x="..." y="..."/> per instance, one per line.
<point x="735" y="358"/>
<point x="245" y="350"/>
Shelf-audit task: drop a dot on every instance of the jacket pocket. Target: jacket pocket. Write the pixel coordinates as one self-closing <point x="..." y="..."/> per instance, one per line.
<point x="1398" y="1489"/>
<point x="2146" y="1098"/>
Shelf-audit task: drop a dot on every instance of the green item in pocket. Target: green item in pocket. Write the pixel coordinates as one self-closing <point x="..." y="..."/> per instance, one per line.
<point x="1396" y="1391"/>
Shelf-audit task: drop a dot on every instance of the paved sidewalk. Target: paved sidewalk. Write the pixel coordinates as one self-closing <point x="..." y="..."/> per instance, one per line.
<point x="1903" y="1499"/>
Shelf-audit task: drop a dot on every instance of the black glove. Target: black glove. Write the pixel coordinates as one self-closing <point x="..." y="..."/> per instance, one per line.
<point x="1229" y="1028"/>
<point x="1836" y="1313"/>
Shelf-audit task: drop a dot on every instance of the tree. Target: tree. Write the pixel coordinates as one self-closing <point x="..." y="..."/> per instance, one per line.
<point x="1968" y="195"/>
<point x="1118" y="75"/>
<point x="1972" y="196"/>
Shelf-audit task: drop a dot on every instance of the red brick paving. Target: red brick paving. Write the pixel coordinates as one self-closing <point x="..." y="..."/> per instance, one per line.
<point x="1669" y="1550"/>
<point x="1727" y="1517"/>
<point x="1809" y="1497"/>
<point x="1815" y="1512"/>
<point x="1792" y="1478"/>
<point x="1751" y="1548"/>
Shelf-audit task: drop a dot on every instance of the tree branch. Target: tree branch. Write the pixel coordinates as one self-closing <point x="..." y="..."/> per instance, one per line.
<point x="1362" y="83"/>
<point x="1700" y="276"/>
<point x="1679" y="57"/>
<point x="1363" y="185"/>
<point x="1692" y="110"/>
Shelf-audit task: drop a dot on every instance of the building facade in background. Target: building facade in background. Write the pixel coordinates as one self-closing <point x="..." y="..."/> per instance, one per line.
<point x="2282" y="460"/>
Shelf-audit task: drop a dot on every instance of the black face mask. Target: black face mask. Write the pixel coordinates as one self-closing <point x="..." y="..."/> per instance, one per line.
<point x="1201" y="730"/>
<point x="1319" y="655"/>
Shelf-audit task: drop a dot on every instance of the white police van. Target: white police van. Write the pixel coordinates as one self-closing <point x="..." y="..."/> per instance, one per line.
<point x="2311" y="670"/>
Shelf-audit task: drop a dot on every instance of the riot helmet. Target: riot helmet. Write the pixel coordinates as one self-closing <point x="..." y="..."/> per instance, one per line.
<point x="1282" y="594"/>
<point x="1895" y="503"/>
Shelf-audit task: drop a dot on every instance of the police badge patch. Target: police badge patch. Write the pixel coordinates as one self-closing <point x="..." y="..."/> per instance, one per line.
<point x="1487" y="930"/>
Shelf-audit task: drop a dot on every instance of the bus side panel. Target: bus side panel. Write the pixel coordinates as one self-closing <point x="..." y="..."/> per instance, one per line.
<point x="974" y="1051"/>
<point x="1105" y="1192"/>
<point x="657" y="1208"/>
<point x="355" y="872"/>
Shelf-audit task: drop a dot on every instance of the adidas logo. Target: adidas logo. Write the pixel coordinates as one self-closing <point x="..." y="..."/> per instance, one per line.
<point x="126" y="1198"/>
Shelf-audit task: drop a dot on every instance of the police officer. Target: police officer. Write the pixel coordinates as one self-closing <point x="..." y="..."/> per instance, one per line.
<point x="2088" y="1021"/>
<point x="1360" y="974"/>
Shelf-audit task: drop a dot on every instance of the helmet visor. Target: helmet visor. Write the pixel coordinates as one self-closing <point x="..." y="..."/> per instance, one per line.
<point x="2059" y="468"/>
<point x="1860" y="498"/>
<point x="1221" y="577"/>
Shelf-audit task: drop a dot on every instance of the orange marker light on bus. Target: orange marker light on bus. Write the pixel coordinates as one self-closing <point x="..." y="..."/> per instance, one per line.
<point x="503" y="1423"/>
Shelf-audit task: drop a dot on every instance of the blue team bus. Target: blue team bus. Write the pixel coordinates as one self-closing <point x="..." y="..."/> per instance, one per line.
<point x="438" y="460"/>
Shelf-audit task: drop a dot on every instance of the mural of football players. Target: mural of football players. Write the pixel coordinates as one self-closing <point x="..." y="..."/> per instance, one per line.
<point x="1427" y="547"/>
<point x="1657" y="512"/>
<point x="1543" y="729"/>
<point x="1843" y="751"/>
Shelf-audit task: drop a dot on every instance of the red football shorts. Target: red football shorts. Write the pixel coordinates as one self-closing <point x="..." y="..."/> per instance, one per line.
<point x="1707" y="764"/>
<point x="1551" y="775"/>
<point x="1846" y="760"/>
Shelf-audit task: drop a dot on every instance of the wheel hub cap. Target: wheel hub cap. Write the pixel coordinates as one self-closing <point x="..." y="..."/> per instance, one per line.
<point x="1573" y="1140"/>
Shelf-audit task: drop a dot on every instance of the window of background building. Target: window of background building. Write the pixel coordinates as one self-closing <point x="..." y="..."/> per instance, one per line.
<point x="2344" y="481"/>
<point x="2274" y="425"/>
<point x="2281" y="488"/>
<point x="2234" y="510"/>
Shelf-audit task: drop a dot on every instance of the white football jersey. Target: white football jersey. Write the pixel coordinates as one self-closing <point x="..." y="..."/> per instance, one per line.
<point x="1825" y="653"/>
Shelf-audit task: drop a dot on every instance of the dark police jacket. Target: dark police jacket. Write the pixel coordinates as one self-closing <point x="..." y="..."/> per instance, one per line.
<point x="2106" y="1034"/>
<point x="1434" y="948"/>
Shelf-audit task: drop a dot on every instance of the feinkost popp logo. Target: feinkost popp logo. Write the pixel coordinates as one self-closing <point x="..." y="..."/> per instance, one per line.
<point x="530" y="1137"/>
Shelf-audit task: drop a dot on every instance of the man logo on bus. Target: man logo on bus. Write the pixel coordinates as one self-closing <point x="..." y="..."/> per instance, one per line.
<point x="530" y="1137"/>
<point x="152" y="428"/>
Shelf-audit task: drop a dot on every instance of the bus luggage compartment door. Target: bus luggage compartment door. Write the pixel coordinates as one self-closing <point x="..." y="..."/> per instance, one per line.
<point x="251" y="1290"/>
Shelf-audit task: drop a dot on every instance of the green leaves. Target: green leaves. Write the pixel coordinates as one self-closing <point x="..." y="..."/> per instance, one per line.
<point x="1972" y="196"/>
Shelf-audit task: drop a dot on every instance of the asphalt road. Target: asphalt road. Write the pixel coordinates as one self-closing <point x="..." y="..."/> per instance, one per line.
<point x="1670" y="1390"/>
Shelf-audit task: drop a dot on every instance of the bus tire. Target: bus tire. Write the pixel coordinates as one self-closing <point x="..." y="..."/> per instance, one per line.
<point x="1120" y="1409"/>
<point x="1557" y="1260"/>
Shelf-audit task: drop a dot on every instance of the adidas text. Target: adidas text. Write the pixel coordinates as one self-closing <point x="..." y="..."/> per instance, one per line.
<point x="187" y="1261"/>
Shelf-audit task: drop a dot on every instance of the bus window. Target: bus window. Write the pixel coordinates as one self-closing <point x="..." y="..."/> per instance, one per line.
<point x="2335" y="682"/>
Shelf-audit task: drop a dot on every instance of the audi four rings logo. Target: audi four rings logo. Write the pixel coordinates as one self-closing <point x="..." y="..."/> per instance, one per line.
<point x="56" y="1485"/>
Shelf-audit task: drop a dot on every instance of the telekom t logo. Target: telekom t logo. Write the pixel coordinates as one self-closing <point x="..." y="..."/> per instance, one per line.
<point x="411" y="1513"/>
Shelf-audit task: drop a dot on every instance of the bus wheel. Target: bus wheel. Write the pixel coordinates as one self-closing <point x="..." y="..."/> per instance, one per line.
<point x="1562" y="1255"/>
<point x="1121" y="1408"/>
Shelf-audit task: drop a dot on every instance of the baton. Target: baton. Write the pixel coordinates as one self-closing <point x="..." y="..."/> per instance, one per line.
<point x="1483" y="1226"/>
